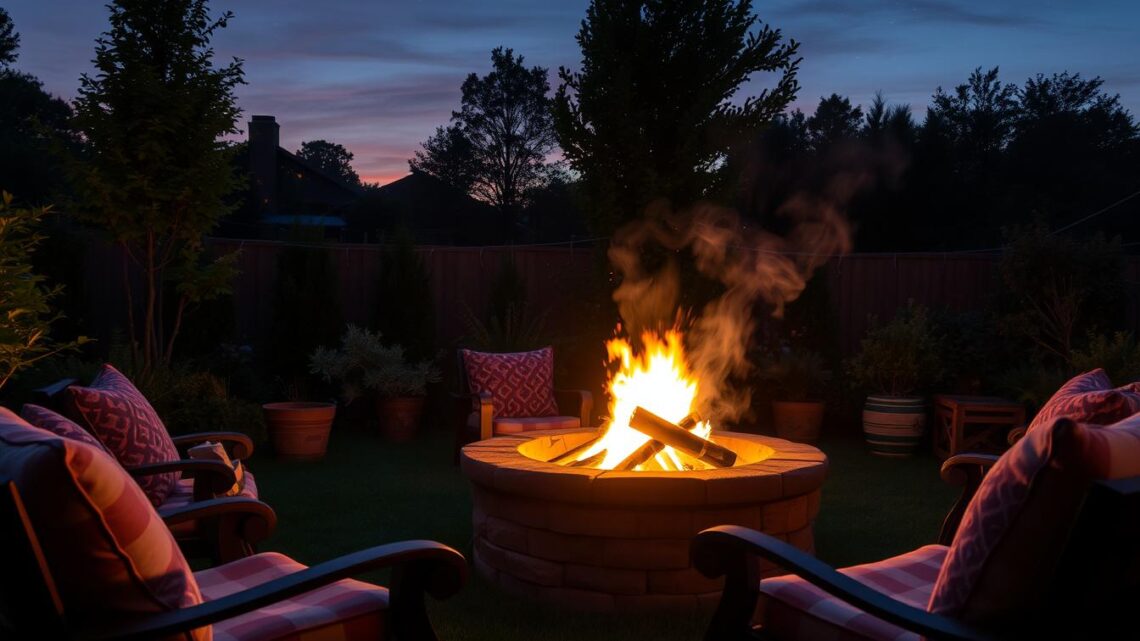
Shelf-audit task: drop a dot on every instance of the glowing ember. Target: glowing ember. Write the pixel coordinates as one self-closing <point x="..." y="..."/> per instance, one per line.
<point x="658" y="380"/>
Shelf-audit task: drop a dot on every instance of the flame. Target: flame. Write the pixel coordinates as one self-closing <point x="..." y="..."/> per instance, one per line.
<point x="659" y="380"/>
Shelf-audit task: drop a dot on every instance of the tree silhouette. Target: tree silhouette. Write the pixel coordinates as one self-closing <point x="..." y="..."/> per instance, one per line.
<point x="653" y="111"/>
<point x="9" y="39"/>
<point x="498" y="143"/>
<point x="331" y="157"/>
<point x="153" y="115"/>
<point x="835" y="120"/>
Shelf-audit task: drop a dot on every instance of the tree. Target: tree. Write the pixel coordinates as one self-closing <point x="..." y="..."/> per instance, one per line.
<point x="652" y="113"/>
<point x="9" y="39"/>
<point x="154" y="115"/>
<point x="834" y="120"/>
<point x="885" y="122"/>
<point x="978" y="117"/>
<point x="25" y="310"/>
<point x="498" y="142"/>
<point x="331" y="157"/>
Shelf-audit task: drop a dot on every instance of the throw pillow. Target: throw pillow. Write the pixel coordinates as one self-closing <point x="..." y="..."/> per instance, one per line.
<point x="520" y="383"/>
<point x="1089" y="398"/>
<point x="116" y="412"/>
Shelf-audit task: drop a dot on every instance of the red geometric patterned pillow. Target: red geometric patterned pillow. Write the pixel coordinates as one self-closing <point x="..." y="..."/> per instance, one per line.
<point x="520" y="383"/>
<point x="1001" y="564"/>
<point x="1089" y="398"/>
<point x="114" y="410"/>
<point x="59" y="425"/>
<point x="110" y="554"/>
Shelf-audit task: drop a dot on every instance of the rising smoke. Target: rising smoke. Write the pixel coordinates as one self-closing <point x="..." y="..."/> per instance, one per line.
<point x="754" y="267"/>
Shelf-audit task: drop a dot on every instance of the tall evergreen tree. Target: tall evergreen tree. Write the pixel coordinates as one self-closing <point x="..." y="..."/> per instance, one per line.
<point x="154" y="114"/>
<point x="653" y="111"/>
<point x="834" y="120"/>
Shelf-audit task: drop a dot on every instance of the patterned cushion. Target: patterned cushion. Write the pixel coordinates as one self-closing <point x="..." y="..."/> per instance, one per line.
<point x="114" y="410"/>
<point x="1001" y="563"/>
<point x="110" y="554"/>
<point x="502" y="426"/>
<point x="792" y="608"/>
<point x="1089" y="398"/>
<point x="60" y="425"/>
<point x="520" y="383"/>
<point x="347" y="609"/>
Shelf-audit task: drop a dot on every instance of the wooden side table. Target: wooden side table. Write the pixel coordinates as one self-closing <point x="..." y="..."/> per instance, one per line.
<point x="967" y="423"/>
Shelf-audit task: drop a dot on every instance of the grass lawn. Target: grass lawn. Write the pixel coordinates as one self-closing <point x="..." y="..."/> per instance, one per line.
<point x="368" y="492"/>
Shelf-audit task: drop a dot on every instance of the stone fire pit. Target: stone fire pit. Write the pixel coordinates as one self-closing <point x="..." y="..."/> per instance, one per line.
<point x="604" y="540"/>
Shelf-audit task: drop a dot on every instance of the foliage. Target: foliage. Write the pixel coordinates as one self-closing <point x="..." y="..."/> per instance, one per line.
<point x="511" y="324"/>
<point x="331" y="157"/>
<point x="200" y="401"/>
<point x="405" y="311"/>
<point x="973" y="350"/>
<point x="363" y="362"/>
<point x="835" y="120"/>
<point x="26" y="315"/>
<point x="1056" y="288"/>
<point x="899" y="358"/>
<point x="795" y="375"/>
<point x="1118" y="354"/>
<point x="9" y="39"/>
<point x="153" y="115"/>
<point x="653" y="112"/>
<point x="500" y="137"/>
<point x="306" y="312"/>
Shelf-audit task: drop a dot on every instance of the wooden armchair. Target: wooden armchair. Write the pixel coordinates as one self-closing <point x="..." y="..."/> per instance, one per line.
<point x="83" y="560"/>
<point x="1096" y="583"/>
<point x="476" y="419"/>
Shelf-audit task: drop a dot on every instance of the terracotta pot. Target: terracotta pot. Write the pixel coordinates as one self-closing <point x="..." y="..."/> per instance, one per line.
<point x="299" y="431"/>
<point x="399" y="417"/>
<point x="798" y="420"/>
<point x="894" y="425"/>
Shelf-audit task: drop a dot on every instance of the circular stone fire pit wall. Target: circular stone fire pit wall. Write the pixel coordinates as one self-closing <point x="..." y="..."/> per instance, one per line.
<point x="604" y="540"/>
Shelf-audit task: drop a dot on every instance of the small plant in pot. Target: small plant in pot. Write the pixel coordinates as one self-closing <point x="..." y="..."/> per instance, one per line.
<point x="796" y="380"/>
<point x="895" y="363"/>
<point x="364" y="364"/>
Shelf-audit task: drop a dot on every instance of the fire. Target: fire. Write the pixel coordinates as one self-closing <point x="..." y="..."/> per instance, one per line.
<point x="658" y="380"/>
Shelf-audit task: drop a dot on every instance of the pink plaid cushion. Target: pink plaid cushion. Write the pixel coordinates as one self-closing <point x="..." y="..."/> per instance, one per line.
<point x="520" y="383"/>
<point x="1089" y="398"/>
<point x="183" y="495"/>
<point x="110" y="554"/>
<point x="114" y="410"/>
<point x="792" y="608"/>
<point x="1015" y="529"/>
<point x="60" y="425"/>
<point x="347" y="609"/>
<point x="527" y="424"/>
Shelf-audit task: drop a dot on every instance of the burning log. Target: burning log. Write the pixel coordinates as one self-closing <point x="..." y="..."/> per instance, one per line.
<point x="589" y="461"/>
<point x="662" y="430"/>
<point x="569" y="454"/>
<point x="653" y="446"/>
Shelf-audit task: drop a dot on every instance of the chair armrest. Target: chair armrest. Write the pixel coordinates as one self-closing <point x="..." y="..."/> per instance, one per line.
<point x="211" y="477"/>
<point x="966" y="470"/>
<point x="418" y="567"/>
<point x="576" y="402"/>
<point x="235" y="524"/>
<point x="486" y="410"/>
<point x="731" y="551"/>
<point x="238" y="446"/>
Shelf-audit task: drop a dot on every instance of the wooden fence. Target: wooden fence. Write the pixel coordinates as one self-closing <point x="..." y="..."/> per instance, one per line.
<point x="558" y="279"/>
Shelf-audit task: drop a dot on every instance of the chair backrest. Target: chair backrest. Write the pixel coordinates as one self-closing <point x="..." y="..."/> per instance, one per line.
<point x="30" y="605"/>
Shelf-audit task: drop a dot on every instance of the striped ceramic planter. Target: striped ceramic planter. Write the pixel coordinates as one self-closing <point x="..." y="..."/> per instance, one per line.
<point x="893" y="425"/>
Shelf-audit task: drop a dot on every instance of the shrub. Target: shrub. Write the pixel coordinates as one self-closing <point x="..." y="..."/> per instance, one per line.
<point x="795" y="376"/>
<point x="363" y="362"/>
<point x="405" y="311"/>
<point x="306" y="312"/>
<point x="899" y="358"/>
<point x="1118" y="354"/>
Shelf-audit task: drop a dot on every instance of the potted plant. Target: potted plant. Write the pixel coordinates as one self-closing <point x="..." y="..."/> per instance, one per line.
<point x="299" y="430"/>
<point x="363" y="363"/>
<point x="895" y="363"/>
<point x="796" y="380"/>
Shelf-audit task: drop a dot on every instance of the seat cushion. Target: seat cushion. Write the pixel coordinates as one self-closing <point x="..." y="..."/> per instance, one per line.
<point x="1089" y="398"/>
<point x="507" y="425"/>
<point x="114" y="410"/>
<point x="520" y="383"/>
<point x="108" y="551"/>
<point x="347" y="609"/>
<point x="58" y="424"/>
<point x="1001" y="565"/>
<point x="792" y="608"/>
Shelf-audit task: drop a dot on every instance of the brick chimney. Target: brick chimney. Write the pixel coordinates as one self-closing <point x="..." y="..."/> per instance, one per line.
<point x="264" y="138"/>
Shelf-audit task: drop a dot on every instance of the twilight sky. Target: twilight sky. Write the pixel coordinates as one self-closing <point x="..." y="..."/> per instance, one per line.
<point x="378" y="77"/>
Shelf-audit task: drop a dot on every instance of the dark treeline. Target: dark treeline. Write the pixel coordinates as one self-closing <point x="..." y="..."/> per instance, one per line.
<point x="988" y="157"/>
